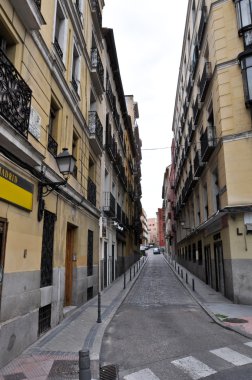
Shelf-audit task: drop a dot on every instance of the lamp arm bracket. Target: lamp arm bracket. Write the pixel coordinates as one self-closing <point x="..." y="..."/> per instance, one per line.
<point x="46" y="187"/>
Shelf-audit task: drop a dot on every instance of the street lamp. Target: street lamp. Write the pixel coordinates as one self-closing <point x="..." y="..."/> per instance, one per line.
<point x="66" y="164"/>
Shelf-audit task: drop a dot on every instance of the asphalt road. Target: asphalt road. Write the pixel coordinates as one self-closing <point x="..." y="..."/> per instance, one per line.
<point x="161" y="333"/>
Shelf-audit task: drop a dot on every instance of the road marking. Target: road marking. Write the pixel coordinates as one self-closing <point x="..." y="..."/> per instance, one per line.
<point x="144" y="374"/>
<point x="232" y="356"/>
<point x="195" y="368"/>
<point x="248" y="344"/>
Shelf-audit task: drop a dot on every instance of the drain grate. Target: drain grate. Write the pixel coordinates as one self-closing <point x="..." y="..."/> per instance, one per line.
<point x="64" y="369"/>
<point x="109" y="372"/>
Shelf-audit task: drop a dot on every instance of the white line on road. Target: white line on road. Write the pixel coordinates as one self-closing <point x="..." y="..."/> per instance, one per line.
<point x="248" y="344"/>
<point x="195" y="368"/>
<point x="232" y="356"/>
<point x="144" y="374"/>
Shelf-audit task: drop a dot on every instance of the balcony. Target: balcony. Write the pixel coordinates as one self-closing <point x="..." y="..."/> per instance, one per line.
<point x="91" y="192"/>
<point x="15" y="97"/>
<point x="96" y="16"/>
<point x="110" y="94"/>
<point x="207" y="143"/>
<point x="58" y="48"/>
<point x="198" y="164"/>
<point x="191" y="131"/>
<point x="189" y="88"/>
<point x="195" y="60"/>
<point x="96" y="132"/>
<point x="202" y="24"/>
<point x="119" y="213"/>
<point x="109" y="204"/>
<point x="205" y="80"/>
<point x="111" y="145"/>
<point x="52" y="146"/>
<point x="97" y="72"/>
<point x="29" y="13"/>
<point x="196" y="109"/>
<point x="187" y="146"/>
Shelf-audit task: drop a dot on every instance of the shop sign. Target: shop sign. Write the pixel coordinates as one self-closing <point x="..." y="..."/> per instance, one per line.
<point x="15" y="189"/>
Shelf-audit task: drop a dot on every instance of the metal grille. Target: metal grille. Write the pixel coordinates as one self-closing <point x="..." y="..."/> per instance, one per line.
<point x="109" y="372"/>
<point x="44" y="319"/>
<point x="90" y="253"/>
<point x="47" y="249"/>
<point x="15" y="96"/>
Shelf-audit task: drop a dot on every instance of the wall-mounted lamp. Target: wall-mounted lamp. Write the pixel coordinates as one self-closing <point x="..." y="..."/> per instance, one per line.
<point x="66" y="164"/>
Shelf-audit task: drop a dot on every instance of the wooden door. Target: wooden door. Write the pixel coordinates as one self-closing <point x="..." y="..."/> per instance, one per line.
<point x="69" y="266"/>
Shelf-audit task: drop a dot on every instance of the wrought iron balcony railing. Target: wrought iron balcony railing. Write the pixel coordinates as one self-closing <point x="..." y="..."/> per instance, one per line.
<point x="198" y="164"/>
<point x="96" y="8"/>
<point x="191" y="130"/>
<point x="74" y="84"/>
<point x="119" y="213"/>
<point x="109" y="204"/>
<point x="202" y="24"/>
<point x="97" y="63"/>
<point x="207" y="143"/>
<point x="95" y="126"/>
<point x="187" y="146"/>
<point x="111" y="146"/>
<point x="196" y="109"/>
<point x="91" y="191"/>
<point x="52" y="146"/>
<point x="109" y="93"/>
<point x="189" y="88"/>
<point x="195" y="60"/>
<point x="38" y="4"/>
<point x="58" y="48"/>
<point x="205" y="80"/>
<point x="15" y="96"/>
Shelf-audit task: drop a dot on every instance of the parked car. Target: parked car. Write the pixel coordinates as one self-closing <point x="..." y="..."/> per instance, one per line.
<point x="156" y="251"/>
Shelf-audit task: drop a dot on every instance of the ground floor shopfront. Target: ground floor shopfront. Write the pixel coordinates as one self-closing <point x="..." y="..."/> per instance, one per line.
<point x="220" y="254"/>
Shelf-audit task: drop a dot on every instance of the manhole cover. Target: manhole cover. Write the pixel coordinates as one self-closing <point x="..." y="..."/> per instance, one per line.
<point x="235" y="320"/>
<point x="109" y="372"/>
<point x="15" y="376"/>
<point x="64" y="369"/>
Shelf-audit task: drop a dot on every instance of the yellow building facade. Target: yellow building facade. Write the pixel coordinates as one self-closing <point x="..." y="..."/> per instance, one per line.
<point x="52" y="108"/>
<point x="213" y="155"/>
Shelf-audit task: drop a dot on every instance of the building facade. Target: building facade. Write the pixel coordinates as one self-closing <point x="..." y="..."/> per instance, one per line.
<point x="161" y="227"/>
<point x="53" y="105"/>
<point x="145" y="233"/>
<point x="213" y="147"/>
<point x="152" y="228"/>
<point x="168" y="196"/>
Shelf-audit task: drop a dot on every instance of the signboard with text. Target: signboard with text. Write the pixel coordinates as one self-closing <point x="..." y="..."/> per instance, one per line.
<point x="15" y="189"/>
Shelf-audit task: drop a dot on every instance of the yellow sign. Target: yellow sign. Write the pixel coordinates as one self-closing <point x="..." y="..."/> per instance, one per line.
<point x="15" y="189"/>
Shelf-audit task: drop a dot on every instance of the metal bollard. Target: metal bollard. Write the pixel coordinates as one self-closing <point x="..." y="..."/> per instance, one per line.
<point x="186" y="278"/>
<point x="134" y="270"/>
<point x="84" y="365"/>
<point x="99" y="308"/>
<point x="178" y="270"/>
<point x="124" y="280"/>
<point x="181" y="273"/>
<point x="193" y="286"/>
<point x="130" y="273"/>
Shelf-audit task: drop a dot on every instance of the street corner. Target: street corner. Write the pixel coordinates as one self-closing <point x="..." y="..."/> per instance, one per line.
<point x="243" y="324"/>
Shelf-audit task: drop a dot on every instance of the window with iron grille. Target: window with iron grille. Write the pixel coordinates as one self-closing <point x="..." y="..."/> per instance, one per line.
<point x="46" y="275"/>
<point x="44" y="319"/>
<point x="90" y="253"/>
<point x="89" y="293"/>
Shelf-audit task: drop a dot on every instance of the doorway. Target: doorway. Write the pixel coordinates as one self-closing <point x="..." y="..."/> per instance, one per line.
<point x="105" y="267"/>
<point x="208" y="264"/>
<point x="69" y="265"/>
<point x="219" y="267"/>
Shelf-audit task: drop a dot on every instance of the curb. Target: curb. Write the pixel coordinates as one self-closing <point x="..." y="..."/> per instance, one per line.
<point x="205" y="308"/>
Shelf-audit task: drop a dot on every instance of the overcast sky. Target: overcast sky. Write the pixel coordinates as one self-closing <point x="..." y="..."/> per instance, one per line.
<point x="148" y="36"/>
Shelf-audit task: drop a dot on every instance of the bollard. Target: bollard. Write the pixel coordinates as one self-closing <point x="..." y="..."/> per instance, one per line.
<point x="178" y="270"/>
<point x="186" y="278"/>
<point x="84" y="365"/>
<point x="134" y="270"/>
<point x="181" y="273"/>
<point x="193" y="286"/>
<point x="130" y="273"/>
<point x="99" y="308"/>
<point x="124" y="280"/>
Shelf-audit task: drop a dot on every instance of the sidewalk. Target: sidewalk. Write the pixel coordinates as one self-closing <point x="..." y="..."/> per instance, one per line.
<point x="220" y="309"/>
<point x="55" y="356"/>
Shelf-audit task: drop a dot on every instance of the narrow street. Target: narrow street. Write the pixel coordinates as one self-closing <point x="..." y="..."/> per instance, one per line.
<point x="161" y="333"/>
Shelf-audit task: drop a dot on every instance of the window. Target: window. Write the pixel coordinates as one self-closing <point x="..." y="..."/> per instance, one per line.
<point x="46" y="274"/>
<point x="215" y="187"/>
<point x="194" y="252"/>
<point x="60" y="32"/>
<point x="52" y="144"/>
<point x="200" y="252"/>
<point x="76" y="69"/>
<point x="75" y="145"/>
